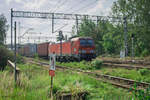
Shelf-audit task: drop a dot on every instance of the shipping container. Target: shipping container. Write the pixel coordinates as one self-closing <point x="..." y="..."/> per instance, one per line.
<point x="42" y="49"/>
<point x="33" y="49"/>
<point x="26" y="50"/>
<point x="21" y="51"/>
<point x="66" y="48"/>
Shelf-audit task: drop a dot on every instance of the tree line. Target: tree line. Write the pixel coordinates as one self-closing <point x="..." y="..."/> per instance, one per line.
<point x="109" y="37"/>
<point x="5" y="54"/>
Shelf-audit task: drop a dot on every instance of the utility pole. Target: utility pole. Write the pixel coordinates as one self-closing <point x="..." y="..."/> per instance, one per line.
<point x="39" y="39"/>
<point x="77" y="24"/>
<point x="18" y="33"/>
<point x="28" y="39"/>
<point x="125" y="36"/>
<point x="52" y="22"/>
<point x="11" y="28"/>
<point x="97" y="20"/>
<point x="132" y="37"/>
<point x="15" y="53"/>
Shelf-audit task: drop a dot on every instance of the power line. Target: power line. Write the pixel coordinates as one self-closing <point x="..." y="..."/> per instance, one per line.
<point x="61" y="27"/>
<point x="60" y="5"/>
<point x="78" y="3"/>
<point x="85" y="6"/>
<point x="56" y="5"/>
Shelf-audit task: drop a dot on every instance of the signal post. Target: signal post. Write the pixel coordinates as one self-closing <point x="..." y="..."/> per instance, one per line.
<point x="52" y="72"/>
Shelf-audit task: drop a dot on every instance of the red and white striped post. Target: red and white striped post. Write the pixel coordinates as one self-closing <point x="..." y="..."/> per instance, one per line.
<point x="52" y="72"/>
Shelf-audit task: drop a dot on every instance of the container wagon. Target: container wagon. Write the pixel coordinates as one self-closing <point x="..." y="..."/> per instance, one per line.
<point x="28" y="50"/>
<point x="42" y="50"/>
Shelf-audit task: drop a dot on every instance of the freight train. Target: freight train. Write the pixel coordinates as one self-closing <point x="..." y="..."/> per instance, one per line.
<point x="79" y="48"/>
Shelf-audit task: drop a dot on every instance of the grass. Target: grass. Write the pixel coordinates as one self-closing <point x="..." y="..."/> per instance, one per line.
<point x="139" y="75"/>
<point x="125" y="58"/>
<point x="83" y="64"/>
<point x="35" y="85"/>
<point x="125" y="73"/>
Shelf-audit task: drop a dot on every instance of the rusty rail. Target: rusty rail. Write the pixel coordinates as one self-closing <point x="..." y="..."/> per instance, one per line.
<point x="139" y="62"/>
<point x="125" y="66"/>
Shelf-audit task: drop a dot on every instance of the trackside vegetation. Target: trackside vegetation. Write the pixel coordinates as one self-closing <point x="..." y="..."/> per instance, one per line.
<point x="85" y="65"/>
<point x="96" y="66"/>
<point x="35" y="84"/>
<point x="5" y="54"/>
<point x="140" y="75"/>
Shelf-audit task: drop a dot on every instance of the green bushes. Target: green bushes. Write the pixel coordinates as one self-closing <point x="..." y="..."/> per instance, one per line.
<point x="19" y="59"/>
<point x="144" y="72"/>
<point x="141" y="94"/>
<point x="96" y="63"/>
<point x="36" y="56"/>
<point x="84" y="65"/>
<point x="145" y="53"/>
<point x="5" y="54"/>
<point x="35" y="85"/>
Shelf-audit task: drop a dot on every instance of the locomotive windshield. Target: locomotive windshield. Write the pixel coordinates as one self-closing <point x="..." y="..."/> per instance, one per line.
<point x="85" y="42"/>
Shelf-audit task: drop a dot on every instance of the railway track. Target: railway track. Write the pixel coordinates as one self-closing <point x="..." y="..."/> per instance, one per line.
<point x="117" y="81"/>
<point x="127" y="66"/>
<point x="138" y="62"/>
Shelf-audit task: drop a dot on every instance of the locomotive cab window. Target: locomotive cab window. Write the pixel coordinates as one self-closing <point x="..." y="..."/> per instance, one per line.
<point x="85" y="42"/>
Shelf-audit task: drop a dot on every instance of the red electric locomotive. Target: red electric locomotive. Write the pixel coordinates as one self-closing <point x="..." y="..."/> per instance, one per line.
<point x="80" y="48"/>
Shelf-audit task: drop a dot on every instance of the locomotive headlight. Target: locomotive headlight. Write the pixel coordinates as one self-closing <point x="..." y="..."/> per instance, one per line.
<point x="91" y="51"/>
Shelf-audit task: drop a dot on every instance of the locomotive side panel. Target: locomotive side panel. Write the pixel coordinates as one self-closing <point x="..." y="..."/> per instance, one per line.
<point x="75" y="47"/>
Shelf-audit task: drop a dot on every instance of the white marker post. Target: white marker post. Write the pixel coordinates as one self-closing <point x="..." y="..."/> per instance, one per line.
<point x="52" y="71"/>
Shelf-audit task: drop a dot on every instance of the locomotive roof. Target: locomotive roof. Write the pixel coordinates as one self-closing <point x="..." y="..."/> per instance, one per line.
<point x="77" y="38"/>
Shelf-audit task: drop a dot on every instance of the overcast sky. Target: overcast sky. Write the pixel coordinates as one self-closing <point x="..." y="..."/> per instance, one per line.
<point x="43" y="26"/>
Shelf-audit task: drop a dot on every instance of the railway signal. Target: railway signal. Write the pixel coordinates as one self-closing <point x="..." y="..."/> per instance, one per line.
<point x="61" y="37"/>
